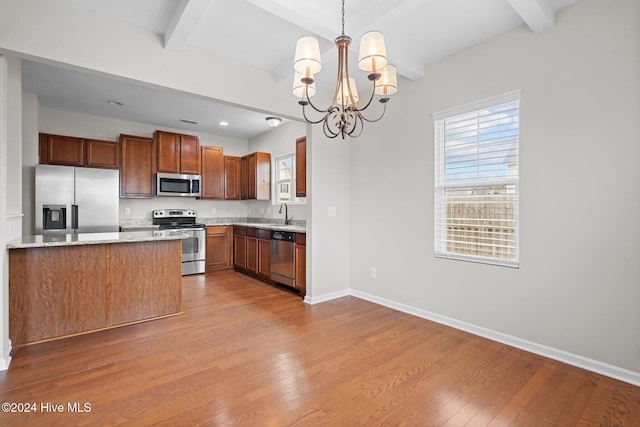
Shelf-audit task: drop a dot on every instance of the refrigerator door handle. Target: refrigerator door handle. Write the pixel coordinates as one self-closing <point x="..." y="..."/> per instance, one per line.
<point x="74" y="216"/>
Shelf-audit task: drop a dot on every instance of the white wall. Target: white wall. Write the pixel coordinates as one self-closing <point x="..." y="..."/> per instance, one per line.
<point x="278" y="142"/>
<point x="577" y="289"/>
<point x="10" y="183"/>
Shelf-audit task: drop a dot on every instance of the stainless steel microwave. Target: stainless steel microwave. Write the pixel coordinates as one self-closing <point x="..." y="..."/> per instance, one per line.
<point x="173" y="184"/>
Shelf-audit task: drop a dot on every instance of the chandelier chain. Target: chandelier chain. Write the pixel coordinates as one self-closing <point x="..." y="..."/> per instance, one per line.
<point x="343" y="17"/>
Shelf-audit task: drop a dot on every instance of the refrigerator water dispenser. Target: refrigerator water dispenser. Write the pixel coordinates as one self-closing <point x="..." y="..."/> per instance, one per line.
<point x="54" y="217"/>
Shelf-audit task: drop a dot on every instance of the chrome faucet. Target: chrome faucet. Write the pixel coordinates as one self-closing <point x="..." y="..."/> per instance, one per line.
<point x="287" y="220"/>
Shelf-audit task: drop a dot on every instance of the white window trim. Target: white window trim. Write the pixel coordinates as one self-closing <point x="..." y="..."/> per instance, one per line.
<point x="504" y="98"/>
<point x="276" y="199"/>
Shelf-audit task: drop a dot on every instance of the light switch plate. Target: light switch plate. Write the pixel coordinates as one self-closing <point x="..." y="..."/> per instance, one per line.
<point x="332" y="211"/>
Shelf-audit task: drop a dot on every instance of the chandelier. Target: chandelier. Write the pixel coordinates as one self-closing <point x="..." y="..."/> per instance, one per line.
<point x="343" y="116"/>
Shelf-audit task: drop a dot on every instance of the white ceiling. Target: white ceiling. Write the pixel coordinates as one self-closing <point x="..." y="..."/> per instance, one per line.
<point x="263" y="33"/>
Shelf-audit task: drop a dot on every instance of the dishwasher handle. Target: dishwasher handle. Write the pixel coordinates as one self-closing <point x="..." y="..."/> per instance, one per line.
<point x="288" y="236"/>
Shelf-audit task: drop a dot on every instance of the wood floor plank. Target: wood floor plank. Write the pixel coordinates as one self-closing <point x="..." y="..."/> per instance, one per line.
<point x="244" y="353"/>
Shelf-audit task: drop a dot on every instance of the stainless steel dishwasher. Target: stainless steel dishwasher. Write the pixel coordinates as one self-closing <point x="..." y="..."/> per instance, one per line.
<point x="283" y="258"/>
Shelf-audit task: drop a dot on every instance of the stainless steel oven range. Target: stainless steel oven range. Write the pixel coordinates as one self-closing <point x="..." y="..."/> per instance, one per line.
<point x="183" y="221"/>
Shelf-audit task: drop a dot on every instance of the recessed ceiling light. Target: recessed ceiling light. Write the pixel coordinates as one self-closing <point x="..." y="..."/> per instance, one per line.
<point x="191" y="122"/>
<point x="117" y="103"/>
<point x="223" y="123"/>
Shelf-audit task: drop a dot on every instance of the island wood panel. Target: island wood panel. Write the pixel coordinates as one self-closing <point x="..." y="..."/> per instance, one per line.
<point x="145" y="281"/>
<point x="57" y="291"/>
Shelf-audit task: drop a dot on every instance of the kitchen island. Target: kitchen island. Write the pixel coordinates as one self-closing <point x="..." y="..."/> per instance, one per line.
<point x="67" y="284"/>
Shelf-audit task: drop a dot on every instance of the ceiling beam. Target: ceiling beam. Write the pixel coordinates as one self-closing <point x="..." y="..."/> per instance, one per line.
<point x="537" y="14"/>
<point x="184" y="22"/>
<point x="304" y="15"/>
<point x="328" y="26"/>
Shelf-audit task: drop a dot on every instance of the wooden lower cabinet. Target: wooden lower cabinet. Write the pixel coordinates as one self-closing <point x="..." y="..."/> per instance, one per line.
<point x="264" y="254"/>
<point x="300" y="250"/>
<point x="240" y="247"/>
<point x="252" y="255"/>
<point x="252" y="252"/>
<point x="66" y="290"/>
<point x="219" y="247"/>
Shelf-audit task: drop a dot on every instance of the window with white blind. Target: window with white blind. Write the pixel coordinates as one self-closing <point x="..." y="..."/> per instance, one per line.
<point x="477" y="181"/>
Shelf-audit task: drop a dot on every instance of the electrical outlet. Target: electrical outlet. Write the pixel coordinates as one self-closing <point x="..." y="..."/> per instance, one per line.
<point x="373" y="272"/>
<point x="127" y="211"/>
<point x="213" y="211"/>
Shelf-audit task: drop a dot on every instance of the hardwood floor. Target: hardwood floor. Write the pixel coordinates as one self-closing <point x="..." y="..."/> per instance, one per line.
<point x="244" y="353"/>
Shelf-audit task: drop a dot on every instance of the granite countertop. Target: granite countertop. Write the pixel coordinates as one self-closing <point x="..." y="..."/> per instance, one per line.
<point x="266" y="223"/>
<point x="49" y="240"/>
<point x="269" y="224"/>
<point x="279" y="227"/>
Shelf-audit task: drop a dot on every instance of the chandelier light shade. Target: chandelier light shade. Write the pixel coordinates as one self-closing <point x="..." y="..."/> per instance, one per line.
<point x="343" y="116"/>
<point x="373" y="53"/>
<point x="348" y="92"/>
<point x="387" y="84"/>
<point x="307" y="61"/>
<point x="299" y="88"/>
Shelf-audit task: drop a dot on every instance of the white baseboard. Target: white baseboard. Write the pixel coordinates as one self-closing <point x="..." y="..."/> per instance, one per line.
<point x="6" y="361"/>
<point x="326" y="297"/>
<point x="596" y="366"/>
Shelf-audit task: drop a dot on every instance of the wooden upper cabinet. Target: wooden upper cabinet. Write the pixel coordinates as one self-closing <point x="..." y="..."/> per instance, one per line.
<point x="190" y="154"/>
<point x="138" y="168"/>
<point x="74" y="151"/>
<point x="232" y="173"/>
<point x="168" y="146"/>
<point x="256" y="176"/>
<point x="177" y="153"/>
<point x="213" y="174"/>
<point x="102" y="154"/>
<point x="301" y="167"/>
<point x="244" y="178"/>
<point x="61" y="150"/>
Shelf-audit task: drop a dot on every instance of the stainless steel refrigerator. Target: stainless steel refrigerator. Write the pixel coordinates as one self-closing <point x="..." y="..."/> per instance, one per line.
<point x="76" y="200"/>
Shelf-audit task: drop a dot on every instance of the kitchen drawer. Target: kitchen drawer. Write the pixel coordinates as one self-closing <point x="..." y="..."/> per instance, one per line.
<point x="239" y="231"/>
<point x="264" y="234"/>
<point x="252" y="232"/>
<point x="217" y="229"/>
